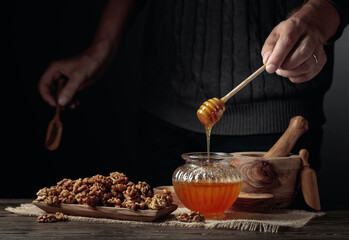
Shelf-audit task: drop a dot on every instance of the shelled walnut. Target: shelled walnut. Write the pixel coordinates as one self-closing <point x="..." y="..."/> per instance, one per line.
<point x="190" y="217"/>
<point x="159" y="201"/>
<point x="114" y="190"/>
<point x="50" y="217"/>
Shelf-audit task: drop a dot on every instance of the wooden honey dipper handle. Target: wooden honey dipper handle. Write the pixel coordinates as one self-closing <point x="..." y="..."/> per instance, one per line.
<point x="243" y="84"/>
<point x="298" y="125"/>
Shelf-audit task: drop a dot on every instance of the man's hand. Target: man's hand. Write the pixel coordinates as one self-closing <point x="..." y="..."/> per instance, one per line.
<point x="85" y="69"/>
<point x="80" y="72"/>
<point x="294" y="49"/>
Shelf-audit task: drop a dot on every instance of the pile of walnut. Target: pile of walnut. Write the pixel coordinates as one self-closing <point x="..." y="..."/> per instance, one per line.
<point x="190" y="217"/>
<point x="49" y="218"/>
<point x="114" y="190"/>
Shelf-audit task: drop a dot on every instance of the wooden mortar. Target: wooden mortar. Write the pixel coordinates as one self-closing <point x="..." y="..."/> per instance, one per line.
<point x="275" y="175"/>
<point x="275" y="171"/>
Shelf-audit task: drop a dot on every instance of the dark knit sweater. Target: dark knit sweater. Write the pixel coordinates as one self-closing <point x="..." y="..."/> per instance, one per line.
<point x="199" y="49"/>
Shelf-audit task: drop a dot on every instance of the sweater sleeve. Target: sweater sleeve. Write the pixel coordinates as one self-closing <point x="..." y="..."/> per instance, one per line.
<point x="342" y="7"/>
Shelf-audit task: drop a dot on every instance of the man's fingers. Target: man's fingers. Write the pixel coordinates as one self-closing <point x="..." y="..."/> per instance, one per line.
<point x="69" y="90"/>
<point x="282" y="48"/>
<point x="289" y="33"/>
<point x="308" y="70"/>
<point x="300" y="53"/>
<point x="45" y="86"/>
<point x="269" y="45"/>
<point x="45" y="93"/>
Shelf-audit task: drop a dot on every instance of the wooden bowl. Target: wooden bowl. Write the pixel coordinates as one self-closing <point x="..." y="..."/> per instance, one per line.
<point x="253" y="202"/>
<point x="276" y="175"/>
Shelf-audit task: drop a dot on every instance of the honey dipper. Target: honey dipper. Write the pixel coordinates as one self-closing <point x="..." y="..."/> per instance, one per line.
<point x="212" y="110"/>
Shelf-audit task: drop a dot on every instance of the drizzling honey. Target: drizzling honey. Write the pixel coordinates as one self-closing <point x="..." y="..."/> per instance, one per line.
<point x="209" y="198"/>
<point x="209" y="113"/>
<point x="208" y="138"/>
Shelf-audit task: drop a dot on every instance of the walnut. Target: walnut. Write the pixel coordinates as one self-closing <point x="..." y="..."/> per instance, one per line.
<point x="130" y="204"/>
<point x="42" y="194"/>
<point x="49" y="218"/>
<point x="114" y="190"/>
<point x="142" y="205"/>
<point x="53" y="191"/>
<point x="48" y="195"/>
<point x="130" y="184"/>
<point x="118" y="178"/>
<point x="116" y="202"/>
<point x="190" y="217"/>
<point x="87" y="181"/>
<point x="51" y="200"/>
<point x="89" y="197"/>
<point x="106" y="181"/>
<point x="66" y="197"/>
<point x="144" y="189"/>
<point x="81" y="198"/>
<point x="99" y="188"/>
<point x="79" y="186"/>
<point x="65" y="184"/>
<point x="159" y="201"/>
<point x="131" y="193"/>
<point x="167" y="196"/>
<point x="118" y="188"/>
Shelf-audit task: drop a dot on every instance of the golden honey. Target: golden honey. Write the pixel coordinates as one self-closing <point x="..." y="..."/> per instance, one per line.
<point x="211" y="199"/>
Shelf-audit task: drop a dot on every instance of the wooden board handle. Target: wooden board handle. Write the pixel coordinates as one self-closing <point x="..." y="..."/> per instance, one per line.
<point x="297" y="127"/>
<point x="309" y="183"/>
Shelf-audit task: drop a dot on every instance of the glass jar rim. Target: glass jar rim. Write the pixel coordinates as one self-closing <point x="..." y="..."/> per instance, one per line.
<point x="212" y="156"/>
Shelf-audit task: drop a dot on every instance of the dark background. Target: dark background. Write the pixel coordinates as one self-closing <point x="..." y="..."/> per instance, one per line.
<point x="102" y="134"/>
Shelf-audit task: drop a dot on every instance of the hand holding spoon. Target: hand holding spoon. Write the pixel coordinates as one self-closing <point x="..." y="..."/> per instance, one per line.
<point x="212" y="110"/>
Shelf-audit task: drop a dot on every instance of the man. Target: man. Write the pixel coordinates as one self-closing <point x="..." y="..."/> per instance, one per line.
<point x="196" y="50"/>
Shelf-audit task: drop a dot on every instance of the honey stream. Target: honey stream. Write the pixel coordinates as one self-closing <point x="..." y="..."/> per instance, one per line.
<point x="208" y="139"/>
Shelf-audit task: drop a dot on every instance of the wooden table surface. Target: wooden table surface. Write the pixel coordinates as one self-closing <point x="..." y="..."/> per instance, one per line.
<point x="334" y="225"/>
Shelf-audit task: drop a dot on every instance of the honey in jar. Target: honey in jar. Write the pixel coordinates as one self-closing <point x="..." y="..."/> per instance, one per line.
<point x="207" y="183"/>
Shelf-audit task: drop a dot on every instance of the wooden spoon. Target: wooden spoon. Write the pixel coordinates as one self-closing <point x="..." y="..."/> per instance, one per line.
<point x="212" y="110"/>
<point x="297" y="127"/>
<point x="55" y="127"/>
<point x="309" y="184"/>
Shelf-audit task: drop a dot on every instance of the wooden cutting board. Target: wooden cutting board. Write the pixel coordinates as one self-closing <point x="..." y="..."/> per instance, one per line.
<point x="107" y="212"/>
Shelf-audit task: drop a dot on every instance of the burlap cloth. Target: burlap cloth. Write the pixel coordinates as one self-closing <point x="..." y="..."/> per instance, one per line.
<point x="263" y="222"/>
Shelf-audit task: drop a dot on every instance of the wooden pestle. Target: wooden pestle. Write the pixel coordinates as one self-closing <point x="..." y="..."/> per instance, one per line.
<point x="297" y="127"/>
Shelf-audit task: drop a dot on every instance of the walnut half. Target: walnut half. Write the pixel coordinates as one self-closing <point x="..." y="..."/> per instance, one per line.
<point x="190" y="217"/>
<point x="50" y="218"/>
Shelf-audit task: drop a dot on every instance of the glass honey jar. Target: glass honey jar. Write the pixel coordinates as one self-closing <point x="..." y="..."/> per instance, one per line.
<point x="207" y="183"/>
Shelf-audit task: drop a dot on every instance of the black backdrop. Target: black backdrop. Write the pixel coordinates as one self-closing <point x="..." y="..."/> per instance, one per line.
<point x="96" y="139"/>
